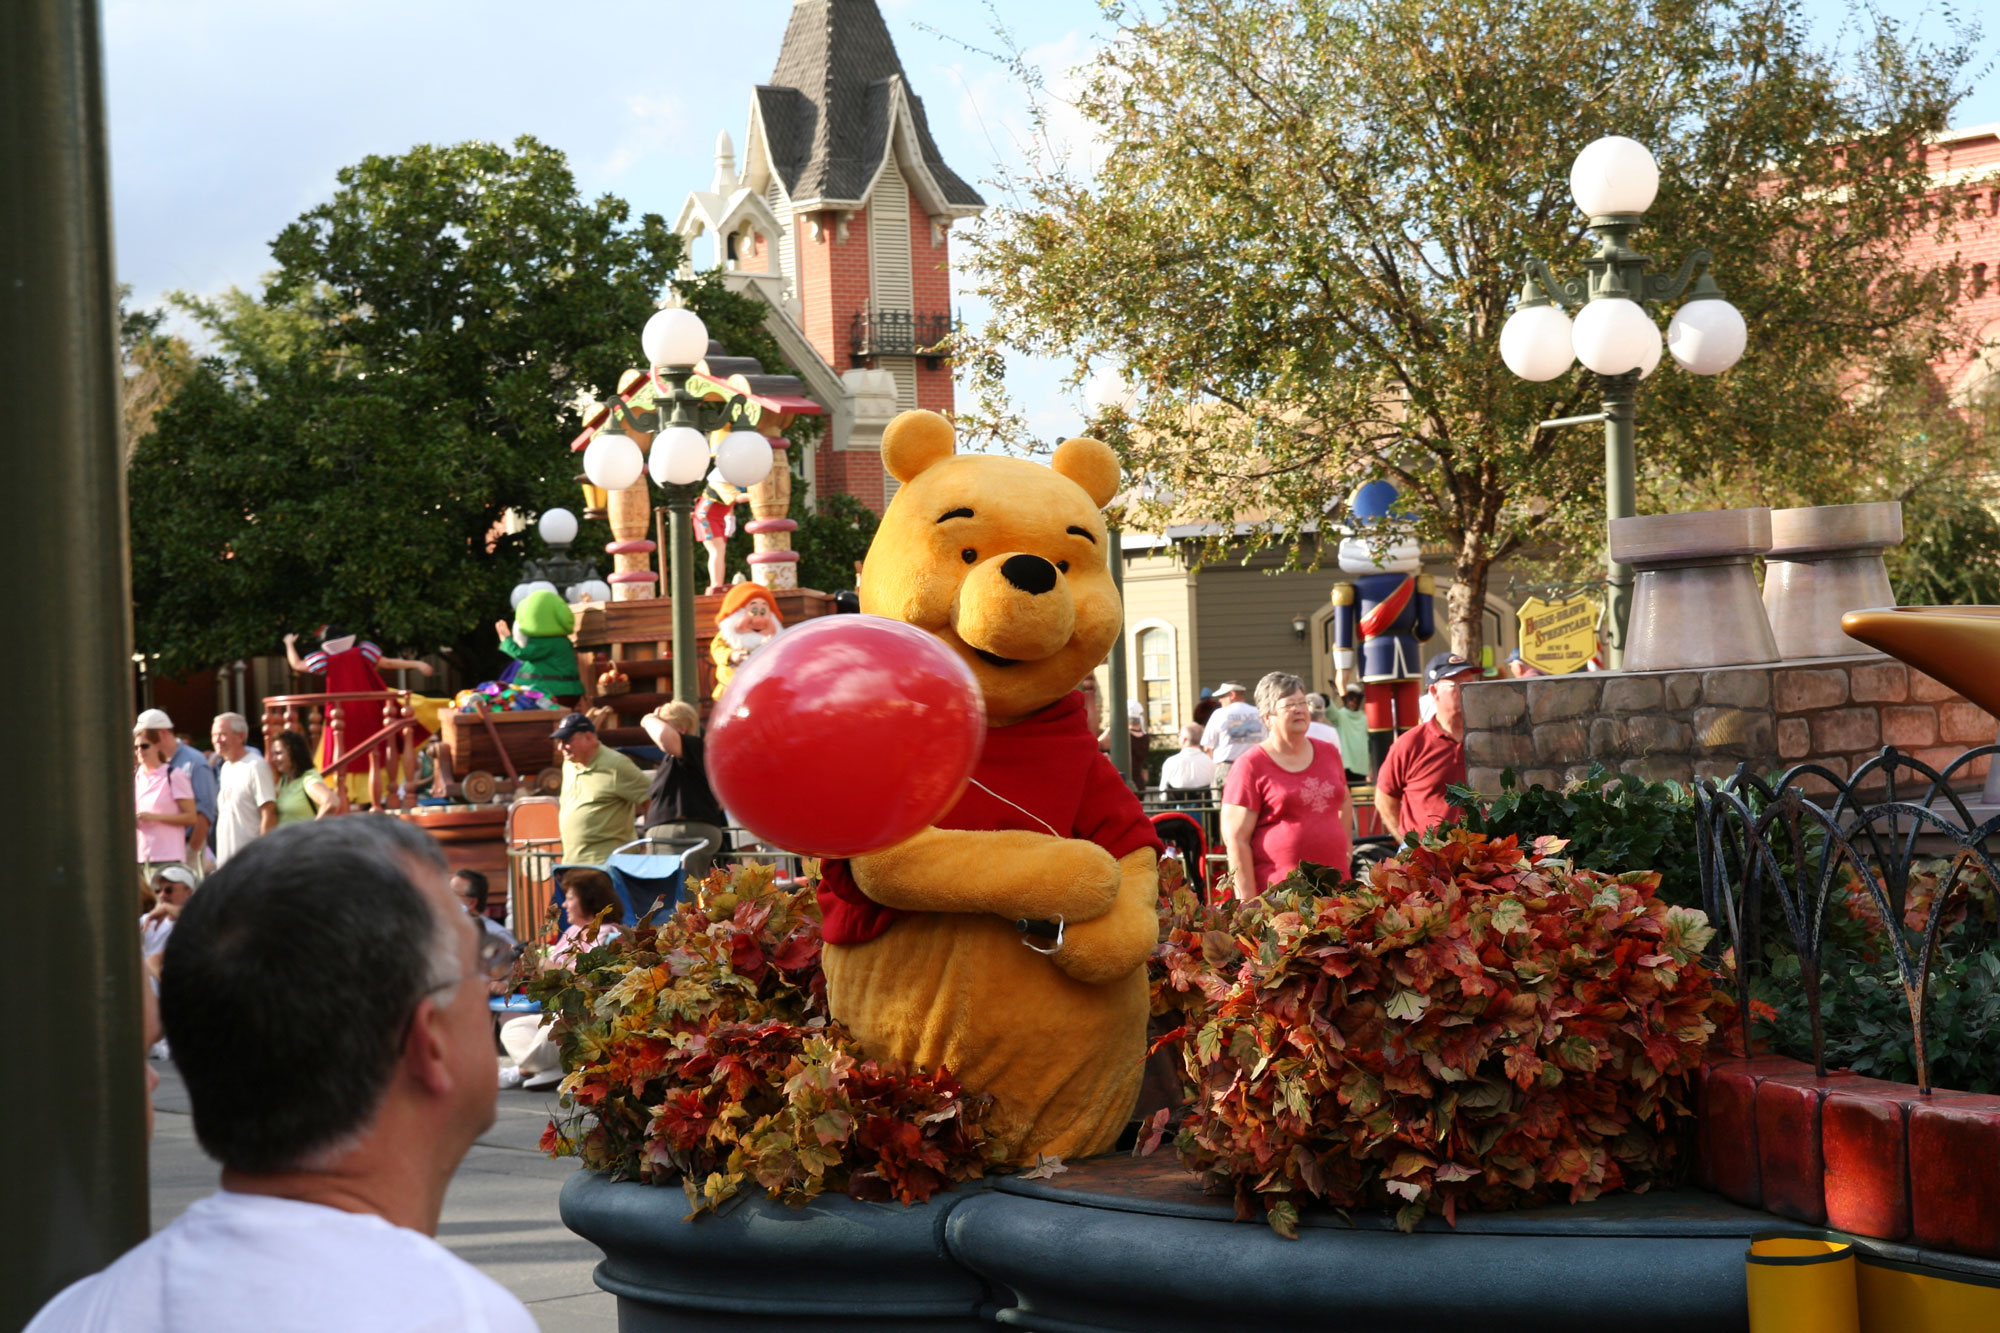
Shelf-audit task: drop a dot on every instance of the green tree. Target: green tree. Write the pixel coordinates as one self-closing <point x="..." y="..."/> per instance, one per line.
<point x="1310" y="221"/>
<point x="410" y="371"/>
<point x="153" y="366"/>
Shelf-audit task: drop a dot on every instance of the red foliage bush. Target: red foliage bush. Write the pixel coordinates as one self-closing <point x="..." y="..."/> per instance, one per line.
<point x="1477" y="1026"/>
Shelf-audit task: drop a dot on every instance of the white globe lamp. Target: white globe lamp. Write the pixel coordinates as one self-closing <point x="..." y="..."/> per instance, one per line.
<point x="1614" y="175"/>
<point x="1108" y="389"/>
<point x="1614" y="336"/>
<point x="522" y="591"/>
<point x="1652" y="361"/>
<point x="558" y="527"/>
<point x="674" y="337"/>
<point x="680" y="456"/>
<point x="1535" y="342"/>
<point x="597" y="590"/>
<point x="612" y="461"/>
<point x="1707" y="336"/>
<point x="743" y="458"/>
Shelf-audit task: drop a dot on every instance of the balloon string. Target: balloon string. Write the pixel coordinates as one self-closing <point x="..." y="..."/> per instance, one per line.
<point x="1022" y="808"/>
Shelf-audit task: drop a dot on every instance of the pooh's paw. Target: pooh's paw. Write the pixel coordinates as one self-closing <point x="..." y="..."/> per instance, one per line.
<point x="1110" y="946"/>
<point x="1073" y="879"/>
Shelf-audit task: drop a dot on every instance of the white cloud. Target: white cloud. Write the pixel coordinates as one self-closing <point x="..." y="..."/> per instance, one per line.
<point x="652" y="124"/>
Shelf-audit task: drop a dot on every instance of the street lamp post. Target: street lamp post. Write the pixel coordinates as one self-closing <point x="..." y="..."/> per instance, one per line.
<point x="1613" y="182"/>
<point x="1106" y="391"/>
<point x="559" y="571"/>
<point x="675" y="340"/>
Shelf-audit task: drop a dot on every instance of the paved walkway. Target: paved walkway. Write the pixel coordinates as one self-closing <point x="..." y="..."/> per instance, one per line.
<point x="500" y="1214"/>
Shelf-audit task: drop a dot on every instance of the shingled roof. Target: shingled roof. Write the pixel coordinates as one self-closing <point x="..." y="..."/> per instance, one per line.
<point x="828" y="112"/>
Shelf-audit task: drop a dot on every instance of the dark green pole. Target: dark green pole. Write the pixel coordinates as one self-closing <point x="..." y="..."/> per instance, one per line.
<point x="1619" y="394"/>
<point x="74" y="1115"/>
<point x="1120" y="747"/>
<point x="680" y="579"/>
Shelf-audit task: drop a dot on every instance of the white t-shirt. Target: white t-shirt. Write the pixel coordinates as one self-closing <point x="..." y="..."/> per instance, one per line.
<point x="1233" y="731"/>
<point x="1320" y="731"/>
<point x="1187" y="770"/>
<point x="153" y="935"/>
<point x="246" y="786"/>
<point x="246" y="1263"/>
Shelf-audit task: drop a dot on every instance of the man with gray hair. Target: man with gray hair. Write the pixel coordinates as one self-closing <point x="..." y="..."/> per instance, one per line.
<point x="246" y="797"/>
<point x="1189" y="773"/>
<point x="325" y="997"/>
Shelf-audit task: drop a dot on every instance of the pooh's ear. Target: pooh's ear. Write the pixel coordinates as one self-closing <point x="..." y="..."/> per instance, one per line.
<point x="914" y="442"/>
<point x="1091" y="465"/>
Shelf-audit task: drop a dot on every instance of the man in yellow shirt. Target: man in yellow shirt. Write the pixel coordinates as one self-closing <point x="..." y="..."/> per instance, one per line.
<point x="601" y="792"/>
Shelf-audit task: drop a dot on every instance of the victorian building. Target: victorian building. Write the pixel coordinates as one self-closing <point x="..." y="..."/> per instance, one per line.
<point x="839" y="219"/>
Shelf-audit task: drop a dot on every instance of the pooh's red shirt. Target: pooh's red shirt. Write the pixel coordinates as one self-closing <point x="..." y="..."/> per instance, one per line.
<point x="1043" y="773"/>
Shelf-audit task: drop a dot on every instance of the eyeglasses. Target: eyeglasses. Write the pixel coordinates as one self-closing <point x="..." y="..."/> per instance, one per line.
<point x="496" y="956"/>
<point x="494" y="961"/>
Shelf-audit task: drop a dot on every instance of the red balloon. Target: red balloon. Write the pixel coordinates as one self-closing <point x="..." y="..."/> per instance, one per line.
<point x="844" y="735"/>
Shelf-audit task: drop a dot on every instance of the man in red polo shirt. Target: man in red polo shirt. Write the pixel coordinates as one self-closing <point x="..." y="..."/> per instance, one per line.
<point x="1410" y="789"/>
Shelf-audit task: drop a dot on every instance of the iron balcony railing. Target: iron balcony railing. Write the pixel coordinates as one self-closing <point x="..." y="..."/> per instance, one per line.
<point x="899" y="333"/>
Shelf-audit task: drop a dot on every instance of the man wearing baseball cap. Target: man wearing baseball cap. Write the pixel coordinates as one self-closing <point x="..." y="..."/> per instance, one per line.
<point x="1233" y="730"/>
<point x="1410" y="789"/>
<point x="155" y="726"/>
<point x="601" y="792"/>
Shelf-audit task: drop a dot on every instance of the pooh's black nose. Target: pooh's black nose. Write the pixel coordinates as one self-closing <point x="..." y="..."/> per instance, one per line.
<point x="1030" y="573"/>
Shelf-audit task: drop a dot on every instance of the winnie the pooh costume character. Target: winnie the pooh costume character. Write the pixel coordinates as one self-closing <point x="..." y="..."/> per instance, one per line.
<point x="926" y="959"/>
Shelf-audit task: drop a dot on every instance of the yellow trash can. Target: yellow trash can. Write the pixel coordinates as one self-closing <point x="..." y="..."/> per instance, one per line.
<point x="1801" y="1284"/>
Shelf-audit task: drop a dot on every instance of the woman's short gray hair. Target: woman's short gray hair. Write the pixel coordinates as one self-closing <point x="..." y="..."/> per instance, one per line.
<point x="1277" y="685"/>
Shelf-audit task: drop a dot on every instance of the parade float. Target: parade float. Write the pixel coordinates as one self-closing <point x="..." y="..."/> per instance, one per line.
<point x="1487" y="1083"/>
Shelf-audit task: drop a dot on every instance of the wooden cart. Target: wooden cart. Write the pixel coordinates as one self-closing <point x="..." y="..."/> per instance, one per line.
<point x="485" y="755"/>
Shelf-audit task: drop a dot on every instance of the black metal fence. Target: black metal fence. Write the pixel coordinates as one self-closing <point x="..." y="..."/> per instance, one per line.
<point x="898" y="333"/>
<point x="1758" y="839"/>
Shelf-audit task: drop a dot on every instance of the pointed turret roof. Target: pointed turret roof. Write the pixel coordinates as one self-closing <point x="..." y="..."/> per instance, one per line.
<point x="835" y="102"/>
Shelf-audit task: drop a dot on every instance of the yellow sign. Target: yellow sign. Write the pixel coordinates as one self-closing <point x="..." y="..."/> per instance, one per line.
<point x="1558" y="637"/>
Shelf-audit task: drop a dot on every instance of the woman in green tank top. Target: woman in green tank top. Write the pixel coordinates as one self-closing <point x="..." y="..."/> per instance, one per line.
<point x="302" y="793"/>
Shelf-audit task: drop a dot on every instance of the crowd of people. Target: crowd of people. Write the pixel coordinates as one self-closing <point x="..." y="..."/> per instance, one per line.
<point x="1281" y="766"/>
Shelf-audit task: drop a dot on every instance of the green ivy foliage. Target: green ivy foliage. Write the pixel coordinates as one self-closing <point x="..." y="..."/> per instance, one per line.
<point x="1613" y="823"/>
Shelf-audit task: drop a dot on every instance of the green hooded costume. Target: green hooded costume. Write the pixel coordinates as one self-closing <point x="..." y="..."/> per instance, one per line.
<point x="540" y="643"/>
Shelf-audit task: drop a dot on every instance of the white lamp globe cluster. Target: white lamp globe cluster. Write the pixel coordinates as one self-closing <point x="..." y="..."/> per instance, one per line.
<point x="675" y="339"/>
<point x="1613" y="335"/>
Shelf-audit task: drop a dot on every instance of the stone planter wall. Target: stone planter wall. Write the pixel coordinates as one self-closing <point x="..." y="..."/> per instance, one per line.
<point x="1682" y="725"/>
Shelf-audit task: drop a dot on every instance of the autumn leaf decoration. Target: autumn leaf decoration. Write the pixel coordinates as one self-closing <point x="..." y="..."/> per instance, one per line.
<point x="699" y="1052"/>
<point x="1478" y="1026"/>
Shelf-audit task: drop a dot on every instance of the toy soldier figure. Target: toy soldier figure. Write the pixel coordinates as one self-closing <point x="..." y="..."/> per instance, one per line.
<point x="1379" y="620"/>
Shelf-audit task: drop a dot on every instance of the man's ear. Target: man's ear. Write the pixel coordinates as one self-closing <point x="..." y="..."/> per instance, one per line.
<point x="914" y="442"/>
<point x="427" y="1048"/>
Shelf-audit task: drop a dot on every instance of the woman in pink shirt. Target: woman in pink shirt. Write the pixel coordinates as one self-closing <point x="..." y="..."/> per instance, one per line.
<point x="1285" y="801"/>
<point x="165" y="800"/>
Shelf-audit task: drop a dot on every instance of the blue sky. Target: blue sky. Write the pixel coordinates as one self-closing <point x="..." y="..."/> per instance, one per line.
<point x="230" y="117"/>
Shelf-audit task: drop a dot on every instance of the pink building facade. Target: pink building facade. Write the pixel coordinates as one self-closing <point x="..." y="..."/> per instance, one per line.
<point x="840" y="219"/>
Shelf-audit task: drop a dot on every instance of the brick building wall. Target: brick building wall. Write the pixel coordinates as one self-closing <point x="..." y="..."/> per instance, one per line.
<point x="1967" y="169"/>
<point x="930" y="281"/>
